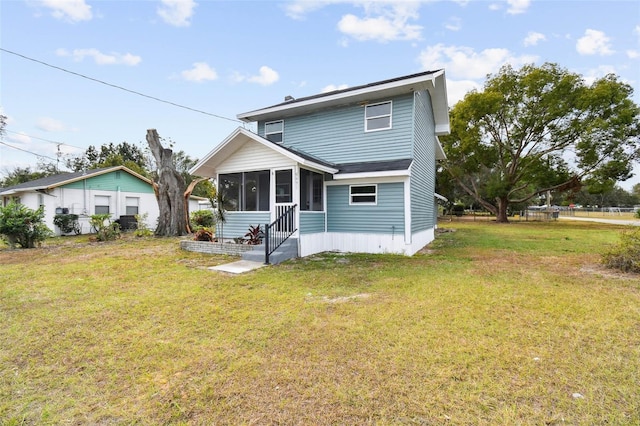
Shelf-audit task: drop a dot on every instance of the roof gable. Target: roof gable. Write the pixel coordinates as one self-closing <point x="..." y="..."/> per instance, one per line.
<point x="208" y="165"/>
<point x="61" y="179"/>
<point x="433" y="81"/>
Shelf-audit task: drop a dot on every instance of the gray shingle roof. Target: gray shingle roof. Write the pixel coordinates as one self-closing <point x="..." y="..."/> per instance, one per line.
<point x="54" y="180"/>
<point x="351" y="89"/>
<point x="375" y="166"/>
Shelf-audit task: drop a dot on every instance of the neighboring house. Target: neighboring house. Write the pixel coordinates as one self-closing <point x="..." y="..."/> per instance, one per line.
<point x="117" y="191"/>
<point x="356" y="166"/>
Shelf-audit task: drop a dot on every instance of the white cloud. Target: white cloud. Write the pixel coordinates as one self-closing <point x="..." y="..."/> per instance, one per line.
<point x="100" y="58"/>
<point x="633" y="54"/>
<point x="49" y="124"/>
<point x="177" y="12"/>
<point x="457" y="89"/>
<point x="383" y="22"/>
<point x="300" y="8"/>
<point x="453" y="24"/>
<point x="19" y="138"/>
<point x="518" y="6"/>
<point x="200" y="72"/>
<point x="594" y="74"/>
<point x="465" y="63"/>
<point x="594" y="42"/>
<point x="533" y="38"/>
<point x="265" y="77"/>
<point x="68" y="10"/>
<point x="332" y="87"/>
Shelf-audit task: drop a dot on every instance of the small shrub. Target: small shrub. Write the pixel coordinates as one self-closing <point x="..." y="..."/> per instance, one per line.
<point x="106" y="230"/>
<point x="637" y="214"/>
<point x="143" y="229"/>
<point x="203" y="234"/>
<point x="22" y="226"/>
<point x="203" y="218"/>
<point x="626" y="255"/>
<point x="67" y="223"/>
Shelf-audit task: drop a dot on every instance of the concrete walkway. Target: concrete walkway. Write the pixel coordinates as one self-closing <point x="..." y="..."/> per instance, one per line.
<point x="603" y="220"/>
<point x="239" y="267"/>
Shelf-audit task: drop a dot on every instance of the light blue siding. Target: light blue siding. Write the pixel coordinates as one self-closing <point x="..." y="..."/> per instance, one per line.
<point x="423" y="170"/>
<point x="111" y="182"/>
<point x="387" y="217"/>
<point x="337" y="135"/>
<point x="311" y="222"/>
<point x="238" y="223"/>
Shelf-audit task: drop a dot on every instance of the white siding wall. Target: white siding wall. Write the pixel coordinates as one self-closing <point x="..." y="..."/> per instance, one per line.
<point x="81" y="202"/>
<point x="254" y="156"/>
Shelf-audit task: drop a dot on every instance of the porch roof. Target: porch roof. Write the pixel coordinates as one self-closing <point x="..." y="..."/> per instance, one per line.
<point x="208" y="165"/>
<point x="398" y="167"/>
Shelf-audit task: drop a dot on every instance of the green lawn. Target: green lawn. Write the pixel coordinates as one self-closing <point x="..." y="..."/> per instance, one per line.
<point x="493" y="324"/>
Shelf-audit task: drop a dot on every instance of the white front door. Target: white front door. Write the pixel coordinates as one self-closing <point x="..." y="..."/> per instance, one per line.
<point x="284" y="196"/>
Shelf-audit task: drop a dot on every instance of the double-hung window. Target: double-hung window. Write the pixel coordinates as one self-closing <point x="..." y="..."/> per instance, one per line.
<point x="363" y="194"/>
<point x="102" y="203"/>
<point x="132" y="205"/>
<point x="377" y="116"/>
<point x="274" y="131"/>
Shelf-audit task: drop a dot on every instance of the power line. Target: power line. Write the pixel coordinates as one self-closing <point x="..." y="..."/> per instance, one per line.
<point x="119" y="87"/>
<point x="42" y="139"/>
<point x="28" y="152"/>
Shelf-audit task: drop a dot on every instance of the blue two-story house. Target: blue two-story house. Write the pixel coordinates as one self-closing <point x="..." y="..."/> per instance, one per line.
<point x="354" y="169"/>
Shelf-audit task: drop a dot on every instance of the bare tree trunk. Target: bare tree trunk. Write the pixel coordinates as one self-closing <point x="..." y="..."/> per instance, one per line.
<point x="501" y="215"/>
<point x="170" y="190"/>
<point x="187" y="195"/>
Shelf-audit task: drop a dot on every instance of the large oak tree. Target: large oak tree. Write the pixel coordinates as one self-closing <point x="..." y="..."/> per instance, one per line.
<point x="540" y="129"/>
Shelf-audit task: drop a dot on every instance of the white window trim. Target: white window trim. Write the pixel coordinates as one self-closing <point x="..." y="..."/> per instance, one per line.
<point x="266" y="134"/>
<point x="368" y="203"/>
<point x="390" y="115"/>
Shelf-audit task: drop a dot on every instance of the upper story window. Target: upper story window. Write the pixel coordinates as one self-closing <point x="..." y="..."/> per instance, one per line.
<point x="377" y="117"/>
<point x="274" y="130"/>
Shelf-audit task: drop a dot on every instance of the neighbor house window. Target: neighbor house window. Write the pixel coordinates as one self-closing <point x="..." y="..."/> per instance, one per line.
<point x="273" y="131"/>
<point x="310" y="190"/>
<point x="102" y="204"/>
<point x="363" y="194"/>
<point x="132" y="205"/>
<point x="377" y="116"/>
<point x="247" y="191"/>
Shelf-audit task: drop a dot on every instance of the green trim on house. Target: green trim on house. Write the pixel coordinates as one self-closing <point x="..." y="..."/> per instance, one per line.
<point x="112" y="181"/>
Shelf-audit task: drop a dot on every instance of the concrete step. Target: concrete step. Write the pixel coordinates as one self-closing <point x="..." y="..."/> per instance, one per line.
<point x="288" y="250"/>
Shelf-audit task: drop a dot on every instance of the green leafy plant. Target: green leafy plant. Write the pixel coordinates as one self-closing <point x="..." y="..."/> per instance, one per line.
<point x="106" y="230"/>
<point x="203" y="218"/>
<point x="637" y="214"/>
<point x="625" y="256"/>
<point x="254" y="236"/>
<point x="22" y="226"/>
<point x="67" y="223"/>
<point x="143" y="229"/>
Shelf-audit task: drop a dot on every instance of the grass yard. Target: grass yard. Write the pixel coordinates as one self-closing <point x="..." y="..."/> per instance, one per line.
<point x="491" y="324"/>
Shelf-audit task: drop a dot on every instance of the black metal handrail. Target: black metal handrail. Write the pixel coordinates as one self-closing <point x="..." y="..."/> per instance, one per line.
<point x="279" y="231"/>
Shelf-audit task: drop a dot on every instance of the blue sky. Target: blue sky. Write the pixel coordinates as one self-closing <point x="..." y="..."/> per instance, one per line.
<point x="222" y="58"/>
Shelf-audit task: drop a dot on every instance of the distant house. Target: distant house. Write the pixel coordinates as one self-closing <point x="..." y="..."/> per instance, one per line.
<point x="353" y="170"/>
<point x="117" y="191"/>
